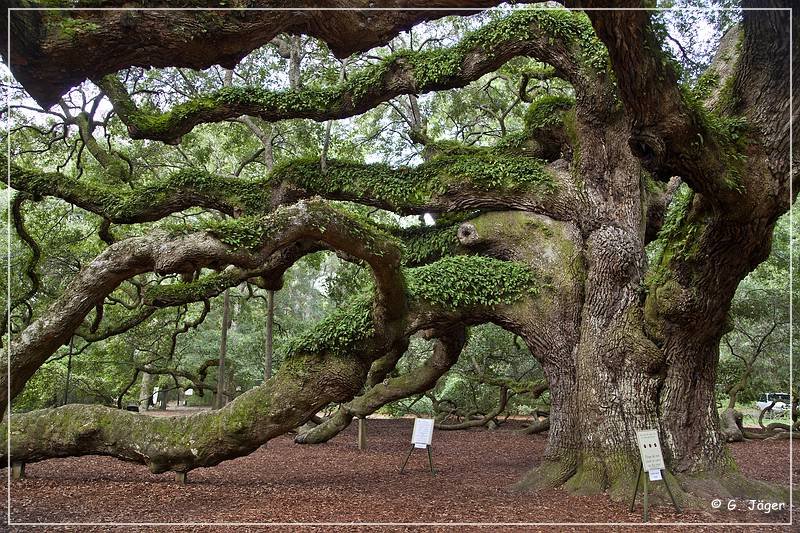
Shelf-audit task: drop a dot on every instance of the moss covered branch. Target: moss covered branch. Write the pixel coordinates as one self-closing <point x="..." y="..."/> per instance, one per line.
<point x="143" y="203"/>
<point x="303" y="385"/>
<point x="54" y="50"/>
<point x="483" y="180"/>
<point x="324" y="366"/>
<point x="445" y="354"/>
<point x="562" y="38"/>
<point x="311" y="221"/>
<point x="682" y="131"/>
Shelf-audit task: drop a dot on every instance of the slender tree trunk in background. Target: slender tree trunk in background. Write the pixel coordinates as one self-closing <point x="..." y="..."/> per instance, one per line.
<point x="269" y="149"/>
<point x="295" y="58"/>
<point x="219" y="399"/>
<point x="268" y="341"/>
<point x="326" y="142"/>
<point x="144" y="392"/>
<point x="163" y="395"/>
<point x="69" y="370"/>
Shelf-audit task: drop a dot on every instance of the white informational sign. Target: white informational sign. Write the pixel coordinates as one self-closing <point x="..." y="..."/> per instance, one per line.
<point x="650" y="450"/>
<point x="654" y="474"/>
<point x="423" y="432"/>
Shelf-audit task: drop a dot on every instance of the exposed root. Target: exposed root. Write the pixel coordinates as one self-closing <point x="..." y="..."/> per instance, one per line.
<point x="548" y="475"/>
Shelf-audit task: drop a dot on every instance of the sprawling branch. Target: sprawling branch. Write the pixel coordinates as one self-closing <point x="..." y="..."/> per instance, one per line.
<point x="164" y="254"/>
<point x="52" y="51"/>
<point x="561" y="38"/>
<point x="330" y="362"/>
<point x="197" y="378"/>
<point x="326" y="364"/>
<point x="31" y="266"/>
<point x="479" y="421"/>
<point x="487" y="180"/>
<point x="177" y="192"/>
<point x="184" y="443"/>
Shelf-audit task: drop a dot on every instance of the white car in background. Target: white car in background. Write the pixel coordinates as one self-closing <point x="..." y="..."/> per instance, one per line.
<point x="781" y="400"/>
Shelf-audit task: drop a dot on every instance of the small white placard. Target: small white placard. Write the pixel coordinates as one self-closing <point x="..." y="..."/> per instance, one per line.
<point x="423" y="432"/>
<point x="655" y="474"/>
<point x="650" y="449"/>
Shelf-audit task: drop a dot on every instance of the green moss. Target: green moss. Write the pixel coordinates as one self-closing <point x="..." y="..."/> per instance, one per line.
<point x="727" y="97"/>
<point x="422" y="244"/>
<point x="193" y="291"/>
<point x="341" y="331"/>
<point x="74" y="27"/>
<point x="724" y="133"/>
<point x="529" y="24"/>
<point x="490" y="172"/>
<point x="250" y="196"/>
<point x="414" y="186"/>
<point x="678" y="237"/>
<point x="451" y="282"/>
<point x="515" y="143"/>
<point x="243" y="232"/>
<point x="547" y="111"/>
<point x="464" y="281"/>
<point x="706" y="84"/>
<point x="431" y="69"/>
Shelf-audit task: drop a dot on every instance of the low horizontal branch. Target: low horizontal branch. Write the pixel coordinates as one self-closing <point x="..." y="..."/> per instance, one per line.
<point x="483" y="180"/>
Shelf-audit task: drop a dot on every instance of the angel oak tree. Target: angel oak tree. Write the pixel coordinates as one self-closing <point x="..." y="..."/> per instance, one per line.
<point x="544" y="235"/>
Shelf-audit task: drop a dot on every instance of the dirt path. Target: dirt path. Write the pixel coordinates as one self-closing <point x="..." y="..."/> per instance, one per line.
<point x="335" y="482"/>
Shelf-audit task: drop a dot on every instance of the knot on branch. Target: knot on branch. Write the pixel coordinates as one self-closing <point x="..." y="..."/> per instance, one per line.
<point x="468" y="234"/>
<point x="651" y="150"/>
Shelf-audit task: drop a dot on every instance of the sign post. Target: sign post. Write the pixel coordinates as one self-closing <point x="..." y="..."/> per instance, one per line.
<point x="653" y="464"/>
<point x="362" y="434"/>
<point x="421" y="438"/>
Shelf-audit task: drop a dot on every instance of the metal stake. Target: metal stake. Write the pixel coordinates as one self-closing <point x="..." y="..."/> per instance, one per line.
<point x="669" y="491"/>
<point x="407" y="458"/>
<point x="18" y="471"/>
<point x="636" y="490"/>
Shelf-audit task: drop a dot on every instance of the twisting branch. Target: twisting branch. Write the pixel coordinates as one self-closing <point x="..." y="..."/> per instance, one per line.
<point x="528" y="32"/>
<point x="163" y="254"/>
<point x="445" y="354"/>
<point x="322" y="366"/>
<point x="674" y="134"/>
<point x="447" y="183"/>
<point x="31" y="265"/>
<point x="116" y="166"/>
<point x="483" y="420"/>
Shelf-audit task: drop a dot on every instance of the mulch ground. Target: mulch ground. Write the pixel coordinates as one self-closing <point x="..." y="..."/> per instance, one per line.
<point x="335" y="482"/>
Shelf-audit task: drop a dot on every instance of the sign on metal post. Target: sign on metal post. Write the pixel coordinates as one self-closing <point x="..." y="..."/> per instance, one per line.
<point x="421" y="437"/>
<point x="653" y="464"/>
<point x="650" y="450"/>
<point x="423" y="432"/>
